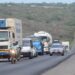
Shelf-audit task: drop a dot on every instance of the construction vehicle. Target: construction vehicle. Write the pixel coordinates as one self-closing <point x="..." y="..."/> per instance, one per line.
<point x="46" y="40"/>
<point x="10" y="39"/>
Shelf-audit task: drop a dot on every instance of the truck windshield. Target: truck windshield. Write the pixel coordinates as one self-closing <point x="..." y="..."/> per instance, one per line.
<point x="3" y="35"/>
<point x="35" y="39"/>
<point x="44" y="38"/>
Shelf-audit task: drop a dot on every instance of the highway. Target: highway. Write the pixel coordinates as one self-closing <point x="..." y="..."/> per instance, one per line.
<point x="33" y="66"/>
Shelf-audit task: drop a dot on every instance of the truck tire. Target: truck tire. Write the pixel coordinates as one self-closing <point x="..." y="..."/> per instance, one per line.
<point x="51" y="54"/>
<point x="62" y="54"/>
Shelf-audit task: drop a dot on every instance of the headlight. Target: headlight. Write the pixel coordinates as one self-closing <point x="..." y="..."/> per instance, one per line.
<point x="13" y="51"/>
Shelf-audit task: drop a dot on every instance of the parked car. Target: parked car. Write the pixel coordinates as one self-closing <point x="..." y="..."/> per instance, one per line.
<point x="56" y="48"/>
<point x="28" y="49"/>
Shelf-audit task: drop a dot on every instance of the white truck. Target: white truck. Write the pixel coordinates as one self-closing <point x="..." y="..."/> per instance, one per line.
<point x="10" y="38"/>
<point x="66" y="44"/>
<point x="46" y="40"/>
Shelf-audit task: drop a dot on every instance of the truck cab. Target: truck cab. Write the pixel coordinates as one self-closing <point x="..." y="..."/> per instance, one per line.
<point x="37" y="43"/>
<point x="10" y="38"/>
<point x="46" y="39"/>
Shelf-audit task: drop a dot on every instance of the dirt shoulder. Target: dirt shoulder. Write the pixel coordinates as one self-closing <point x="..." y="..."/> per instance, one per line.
<point x="65" y="68"/>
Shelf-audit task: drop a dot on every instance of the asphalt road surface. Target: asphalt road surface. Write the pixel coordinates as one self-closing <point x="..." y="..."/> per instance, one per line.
<point x="33" y="66"/>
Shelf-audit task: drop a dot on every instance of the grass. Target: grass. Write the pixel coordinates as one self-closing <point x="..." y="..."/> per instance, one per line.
<point x="57" y="19"/>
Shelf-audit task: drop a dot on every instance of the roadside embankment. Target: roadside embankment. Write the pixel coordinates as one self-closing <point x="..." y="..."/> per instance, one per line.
<point x="65" y="68"/>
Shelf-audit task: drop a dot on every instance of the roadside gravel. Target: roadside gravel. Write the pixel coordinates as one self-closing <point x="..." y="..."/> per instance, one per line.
<point x="65" y="68"/>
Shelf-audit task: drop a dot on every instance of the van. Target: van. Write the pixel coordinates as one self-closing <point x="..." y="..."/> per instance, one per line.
<point x="28" y="49"/>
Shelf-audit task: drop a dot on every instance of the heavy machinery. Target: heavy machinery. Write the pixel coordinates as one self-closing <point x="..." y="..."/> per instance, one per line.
<point x="10" y="39"/>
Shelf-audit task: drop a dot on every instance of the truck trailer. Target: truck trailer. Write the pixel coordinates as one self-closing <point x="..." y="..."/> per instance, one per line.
<point x="10" y="39"/>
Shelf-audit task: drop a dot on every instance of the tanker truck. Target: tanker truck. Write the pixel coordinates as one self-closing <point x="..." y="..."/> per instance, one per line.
<point x="46" y="40"/>
<point x="10" y="39"/>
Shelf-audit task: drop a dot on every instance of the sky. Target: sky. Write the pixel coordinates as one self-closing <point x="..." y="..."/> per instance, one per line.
<point x="37" y="1"/>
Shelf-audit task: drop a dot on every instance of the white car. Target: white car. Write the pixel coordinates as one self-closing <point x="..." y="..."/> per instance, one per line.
<point x="28" y="50"/>
<point x="56" y="48"/>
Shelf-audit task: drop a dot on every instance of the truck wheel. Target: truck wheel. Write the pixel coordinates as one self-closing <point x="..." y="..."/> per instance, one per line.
<point x="51" y="54"/>
<point x="62" y="54"/>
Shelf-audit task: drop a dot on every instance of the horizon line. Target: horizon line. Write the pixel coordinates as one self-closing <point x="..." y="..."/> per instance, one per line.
<point x="38" y="2"/>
